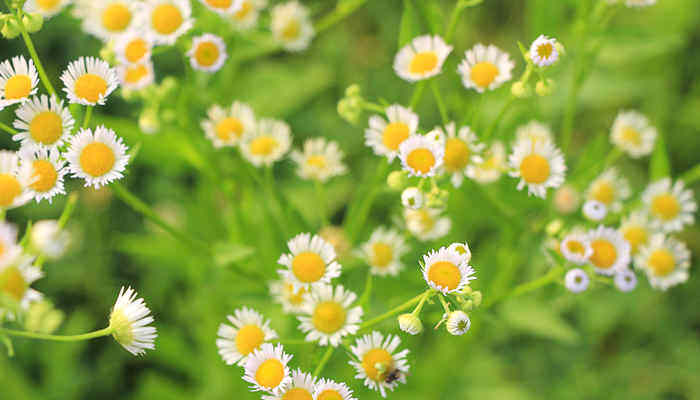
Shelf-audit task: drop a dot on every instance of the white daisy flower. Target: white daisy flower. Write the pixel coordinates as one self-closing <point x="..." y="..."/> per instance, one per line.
<point x="108" y="19"/>
<point x="48" y="170"/>
<point x="47" y="8"/>
<point x="269" y="142"/>
<point x="208" y="53"/>
<point x="427" y="223"/>
<point x="136" y="76"/>
<point x="383" y="251"/>
<point x="320" y="160"/>
<point x="543" y="51"/>
<point x="291" y="299"/>
<point x="44" y="122"/>
<point x="310" y="260"/>
<point x="385" y="136"/>
<point x="226" y="127"/>
<point x="89" y="80"/>
<point x="576" y="280"/>
<point x="538" y="164"/>
<point x="49" y="239"/>
<point x="247" y="16"/>
<point x="462" y="152"/>
<point x="301" y="387"/>
<point x="410" y="324"/>
<point x="249" y="331"/>
<point x="625" y="280"/>
<point x="329" y="315"/>
<point x="485" y="68"/>
<point x="327" y="389"/>
<point x="266" y="369"/>
<point x="610" y="188"/>
<point x="15" y="181"/>
<point x="291" y="25"/>
<point x="9" y="249"/>
<point x="670" y="206"/>
<point x="223" y="7"/>
<point x="99" y="158"/>
<point x="458" y="323"/>
<point x="534" y="130"/>
<point x="462" y="249"/>
<point x="566" y="199"/>
<point x="412" y="198"/>
<point x="633" y="134"/>
<point x="446" y="270"/>
<point x="491" y="167"/>
<point x="665" y="260"/>
<point x="377" y="359"/>
<point x="133" y="47"/>
<point x="421" y="156"/>
<point x="18" y="80"/>
<point x="611" y="252"/>
<point x="167" y="20"/>
<point x="16" y="278"/>
<point x="594" y="210"/>
<point x="130" y="321"/>
<point x="576" y="248"/>
<point x="636" y="230"/>
<point x="422" y="58"/>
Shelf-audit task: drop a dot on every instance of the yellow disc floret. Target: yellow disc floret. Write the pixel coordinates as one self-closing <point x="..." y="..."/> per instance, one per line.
<point x="297" y="394"/>
<point x="45" y="176"/>
<point x="394" y="134"/>
<point x="135" y="50"/>
<point x="636" y="236"/>
<point x="382" y="254"/>
<point x="661" y="262"/>
<point x="90" y="87"/>
<point x="166" y="18"/>
<point x="603" y="192"/>
<point x="18" y="87"/>
<point x="46" y="127"/>
<point x="534" y="169"/>
<point x="207" y="54"/>
<point x="456" y="154"/>
<point x="328" y="317"/>
<point x="423" y="63"/>
<point x="604" y="253"/>
<point x="12" y="283"/>
<point x="330" y="394"/>
<point x="483" y="74"/>
<point x="229" y="128"/>
<point x="665" y="207"/>
<point x="308" y="267"/>
<point x="270" y="373"/>
<point x="97" y="159"/>
<point x="377" y="358"/>
<point x="10" y="188"/>
<point x="263" y="146"/>
<point x="421" y="160"/>
<point x="445" y="274"/>
<point x="116" y="17"/>
<point x="249" y="338"/>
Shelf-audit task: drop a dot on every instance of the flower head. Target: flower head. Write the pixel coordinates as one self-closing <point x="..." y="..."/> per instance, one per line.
<point x="266" y="369"/>
<point x="665" y="260"/>
<point x="320" y="160"/>
<point x="576" y="280"/>
<point x="539" y="165"/>
<point x="167" y="20"/>
<point x="422" y="58"/>
<point x="633" y="134"/>
<point x="385" y="136"/>
<point x="88" y="81"/>
<point x="446" y="270"/>
<point x="310" y="260"/>
<point x="18" y="80"/>
<point x="377" y="359"/>
<point x="625" y="280"/>
<point x="383" y="251"/>
<point x="15" y="181"/>
<point x="130" y="321"/>
<point x="670" y="205"/>
<point x="268" y="143"/>
<point x="247" y="333"/>
<point x="543" y="51"/>
<point x="462" y="152"/>
<point x="227" y="126"/>
<point x="291" y="25"/>
<point x="427" y="223"/>
<point x="208" y="53"/>
<point x="611" y="252"/>
<point x="485" y="68"/>
<point x="458" y="323"/>
<point x="47" y="171"/>
<point x="327" y="389"/>
<point x="43" y="122"/>
<point x="421" y="156"/>
<point x="301" y="386"/>
<point x="329" y="315"/>
<point x="98" y="157"/>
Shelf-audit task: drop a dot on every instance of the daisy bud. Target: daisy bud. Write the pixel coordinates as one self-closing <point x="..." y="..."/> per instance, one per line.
<point x="353" y="91"/>
<point x="148" y="121"/>
<point x="544" y="88"/>
<point x="11" y="29"/>
<point x="625" y="280"/>
<point x="467" y="305"/>
<point x="49" y="239"/>
<point x="576" y="280"/>
<point x="129" y="323"/>
<point x="476" y="298"/>
<point x="594" y="210"/>
<point x="458" y="323"/>
<point x="33" y="22"/>
<point x="350" y="110"/>
<point x="566" y="199"/>
<point x="410" y="324"/>
<point x="519" y="90"/>
<point x="397" y="180"/>
<point x="553" y="227"/>
<point x="412" y="198"/>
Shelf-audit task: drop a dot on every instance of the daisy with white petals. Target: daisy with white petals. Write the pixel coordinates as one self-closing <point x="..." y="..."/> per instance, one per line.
<point x="310" y="260"/>
<point x="625" y="280"/>
<point x="14" y="181"/>
<point x="247" y="332"/>
<point x="534" y="130"/>
<point x="133" y="47"/>
<point x="462" y="249"/>
<point x="329" y="316"/>
<point x="47" y="172"/>
<point x="223" y="7"/>
<point x="576" y="280"/>
<point x="226" y="126"/>
<point x="670" y="205"/>
<point x="610" y="188"/>
<point x="427" y="223"/>
<point x="89" y="80"/>
<point x="99" y="158"/>
<point x="208" y="53"/>
<point x="9" y="249"/>
<point x="422" y="58"/>
<point x="385" y="136"/>
<point x="538" y="164"/>
<point x="492" y="165"/>
<point x="665" y="260"/>
<point x="327" y="389"/>
<point x="594" y="210"/>
<point x="446" y="270"/>
<point x="266" y="369"/>
<point x="377" y="358"/>
<point x="47" y="8"/>
<point x="16" y="278"/>
<point x="269" y="142"/>
<point x="247" y="16"/>
<point x="412" y="198"/>
<point x="633" y="134"/>
<point x="167" y="20"/>
<point x="108" y="19"/>
<point x="18" y="80"/>
<point x="576" y="248"/>
<point x="383" y="251"/>
<point x="130" y="321"/>
<point x="301" y="387"/>
<point x="44" y="122"/>
<point x="136" y="76"/>
<point x="320" y="160"/>
<point x="611" y="252"/>
<point x="543" y="51"/>
<point x="485" y="68"/>
<point x="292" y="299"/>
<point x="462" y="153"/>
<point x="636" y="230"/>
<point x="291" y="25"/>
<point x="49" y="239"/>
<point x="421" y="156"/>
<point x="458" y="323"/>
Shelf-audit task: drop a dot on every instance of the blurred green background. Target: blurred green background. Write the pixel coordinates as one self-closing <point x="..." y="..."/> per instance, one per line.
<point x="597" y="345"/>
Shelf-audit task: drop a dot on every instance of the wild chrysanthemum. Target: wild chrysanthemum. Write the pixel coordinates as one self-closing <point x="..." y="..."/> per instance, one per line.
<point x="665" y="260"/>
<point x="458" y="323"/>
<point x="49" y="239"/>
<point x="611" y="252"/>
<point x="320" y="160"/>
<point x="89" y="81"/>
<point x="291" y="299"/>
<point x="485" y="68"/>
<point x="383" y="251"/>
<point x="226" y="126"/>
<point x="133" y="47"/>
<point x="136" y="76"/>
<point x="266" y="369"/>
<point x="576" y="248"/>
<point x="167" y="20"/>
<point x="543" y="51"/>
<point x="98" y="157"/>
<point x="412" y="198"/>
<point x="377" y="358"/>
<point x="249" y="330"/>
<point x="223" y="7"/>
<point x="636" y="230"/>
<point x="310" y="260"/>
<point x="670" y="205"/>
<point x="385" y="136"/>
<point x="327" y="389"/>
<point x="44" y="122"/>
<point x="291" y="25"/>
<point x="462" y="153"/>
<point x="446" y="270"/>
<point x="301" y="387"/>
<point x="208" y="53"/>
<point x="47" y="8"/>
<point x="329" y="315"/>
<point x="421" y="156"/>
<point x="268" y="143"/>
<point x="492" y="165"/>
<point x="108" y="19"/>
<point x="410" y="324"/>
<point x="594" y="210"/>
<point x="538" y="164"/>
<point x="427" y="223"/>
<point x="47" y="171"/>
<point x="18" y="80"/>
<point x="422" y="58"/>
<point x="534" y="130"/>
<point x="633" y="134"/>
<point x="247" y="16"/>
<point x="625" y="280"/>
<point x="130" y="321"/>
<point x="462" y="249"/>
<point x="14" y="181"/>
<point x="16" y="278"/>
<point x="9" y="249"/>
<point x="610" y="188"/>
<point x="576" y="280"/>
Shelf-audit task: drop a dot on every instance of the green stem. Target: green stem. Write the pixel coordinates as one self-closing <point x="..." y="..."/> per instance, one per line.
<point x="417" y="93"/>
<point x="408" y="304"/>
<point x="8" y="129"/>
<point x="37" y="62"/>
<point x="445" y="305"/>
<point x="549" y="277"/>
<point x="342" y="10"/>
<point x="440" y="102"/>
<point x="88" y="115"/>
<point x="70" y="338"/>
<point x="322" y="203"/>
<point x="492" y="128"/>
<point x="358" y="212"/>
<point x="324" y="360"/>
<point x="416" y="311"/>
<point x="68" y="210"/>
<point x="368" y="289"/>
<point x="368" y="105"/>
<point x="452" y="25"/>
<point x="691" y="176"/>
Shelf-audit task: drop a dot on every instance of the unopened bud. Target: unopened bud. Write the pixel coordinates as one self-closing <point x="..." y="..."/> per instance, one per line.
<point x="410" y="324"/>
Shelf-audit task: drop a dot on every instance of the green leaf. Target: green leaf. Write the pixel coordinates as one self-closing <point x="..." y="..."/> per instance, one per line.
<point x="408" y="28"/>
<point x="432" y="13"/>
<point x="229" y="253"/>
<point x="659" y="166"/>
<point x="691" y="175"/>
<point x="536" y="319"/>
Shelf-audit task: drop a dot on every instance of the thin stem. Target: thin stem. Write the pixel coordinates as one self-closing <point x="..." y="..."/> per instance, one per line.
<point x="492" y="128"/>
<point x="322" y="203"/>
<point x="59" y="338"/>
<point x="523" y="288"/>
<point x="422" y="301"/>
<point x="364" y="298"/>
<point x="440" y="102"/>
<point x="8" y="129"/>
<point x="88" y="115"/>
<point x="452" y="25"/>
<point x="341" y="11"/>
<point x="445" y="305"/>
<point x="324" y="360"/>
<point x="68" y="210"/>
<point x="368" y="105"/>
<point x="356" y="216"/>
<point x="408" y="304"/>
<point x="691" y="176"/>
<point x="37" y="62"/>
<point x="417" y="93"/>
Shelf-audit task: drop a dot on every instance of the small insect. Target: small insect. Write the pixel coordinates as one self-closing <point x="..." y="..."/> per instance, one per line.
<point x="393" y="376"/>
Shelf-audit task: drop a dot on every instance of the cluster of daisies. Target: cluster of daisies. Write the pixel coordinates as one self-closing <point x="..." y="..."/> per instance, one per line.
<point x="265" y="141"/>
<point x="331" y="315"/>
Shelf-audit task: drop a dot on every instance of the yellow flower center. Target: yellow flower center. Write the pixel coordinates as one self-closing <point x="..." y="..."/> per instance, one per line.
<point x="445" y="274"/>
<point x="249" y="337"/>
<point x="330" y="394"/>
<point x="90" y="87"/>
<point x="47" y="5"/>
<point x="246" y="7"/>
<point x="421" y="160"/>
<point x="534" y="169"/>
<point x="483" y="74"/>
<point x="166" y="18"/>
<point x="228" y="128"/>
<point x="46" y="127"/>
<point x="461" y="250"/>
<point x="45" y="175"/>
<point x="123" y="331"/>
<point x="456" y="154"/>
<point x="18" y="87"/>
<point x="135" y="50"/>
<point x="116" y="17"/>
<point x="223" y="4"/>
<point x="2" y="249"/>
<point x="134" y="74"/>
<point x="12" y="283"/>
<point x="317" y="161"/>
<point x="423" y="63"/>
<point x="382" y="254"/>
<point x="291" y="30"/>
<point x="426" y="220"/>
<point x="604" y="253"/>
<point x="295" y="298"/>
<point x="394" y="134"/>
<point x="263" y="145"/>
<point x="207" y="54"/>
<point x="661" y="262"/>
<point x="636" y="236"/>
<point x="632" y="136"/>
<point x="545" y="50"/>
<point x="9" y="189"/>
<point x="270" y="373"/>
<point x="665" y="207"/>
<point x="374" y="358"/>
<point x="308" y="267"/>
<point x="603" y="192"/>
<point x="297" y="394"/>
<point x="328" y="317"/>
<point x="97" y="159"/>
<point x="575" y="247"/>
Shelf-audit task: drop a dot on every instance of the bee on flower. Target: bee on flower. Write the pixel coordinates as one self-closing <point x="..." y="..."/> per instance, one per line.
<point x="385" y="136"/>
<point x="320" y="160"/>
<point x="89" y="80"/>
<point x="246" y="334"/>
<point x="538" y="164"/>
<point x="632" y="133"/>
<point x="267" y="143"/>
<point x="485" y="68"/>
<point x="291" y="25"/>
<point x="383" y="251"/>
<point x="665" y="260"/>
<point x="329" y="316"/>
<point x="378" y="359"/>
<point x="422" y="58"/>
<point x="226" y="127"/>
<point x="462" y="152"/>
<point x="446" y="270"/>
<point x="670" y="205"/>
<point x="544" y="51"/>
<point x="208" y="53"/>
<point x="18" y="80"/>
<point x="43" y="122"/>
